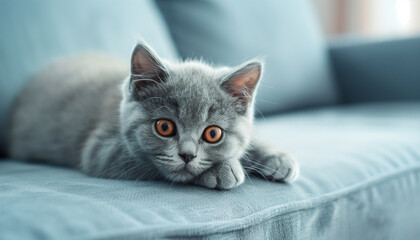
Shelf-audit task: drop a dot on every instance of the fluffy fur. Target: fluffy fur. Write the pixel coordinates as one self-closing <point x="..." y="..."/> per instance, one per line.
<point x="86" y="113"/>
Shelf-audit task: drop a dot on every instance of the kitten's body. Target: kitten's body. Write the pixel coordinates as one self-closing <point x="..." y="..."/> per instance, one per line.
<point x="59" y="109"/>
<point x="85" y="113"/>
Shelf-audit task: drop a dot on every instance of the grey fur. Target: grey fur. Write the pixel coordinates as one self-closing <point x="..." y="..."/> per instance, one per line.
<point x="85" y="113"/>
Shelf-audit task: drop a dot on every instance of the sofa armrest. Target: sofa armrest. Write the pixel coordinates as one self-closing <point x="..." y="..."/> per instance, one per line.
<point x="377" y="71"/>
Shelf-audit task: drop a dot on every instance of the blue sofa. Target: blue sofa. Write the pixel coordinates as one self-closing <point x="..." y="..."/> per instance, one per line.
<point x="349" y="112"/>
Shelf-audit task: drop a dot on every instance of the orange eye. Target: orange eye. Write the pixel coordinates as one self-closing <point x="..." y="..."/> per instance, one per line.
<point x="165" y="128"/>
<point x="212" y="134"/>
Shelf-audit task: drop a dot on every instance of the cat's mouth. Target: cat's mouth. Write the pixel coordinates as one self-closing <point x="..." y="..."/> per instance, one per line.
<point x="183" y="171"/>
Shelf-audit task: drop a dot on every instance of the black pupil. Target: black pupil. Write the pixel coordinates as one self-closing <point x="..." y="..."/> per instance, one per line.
<point x="212" y="133"/>
<point x="165" y="127"/>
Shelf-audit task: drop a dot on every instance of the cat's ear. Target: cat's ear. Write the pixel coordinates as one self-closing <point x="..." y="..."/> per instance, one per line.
<point x="146" y="68"/>
<point x="242" y="83"/>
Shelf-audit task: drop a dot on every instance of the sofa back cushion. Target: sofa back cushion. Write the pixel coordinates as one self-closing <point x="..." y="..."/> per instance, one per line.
<point x="36" y="32"/>
<point x="285" y="33"/>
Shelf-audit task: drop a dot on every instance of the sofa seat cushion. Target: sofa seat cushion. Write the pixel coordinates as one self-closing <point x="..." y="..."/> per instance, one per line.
<point x="360" y="179"/>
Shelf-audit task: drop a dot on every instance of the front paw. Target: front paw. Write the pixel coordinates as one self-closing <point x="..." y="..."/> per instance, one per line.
<point x="278" y="167"/>
<point x="222" y="176"/>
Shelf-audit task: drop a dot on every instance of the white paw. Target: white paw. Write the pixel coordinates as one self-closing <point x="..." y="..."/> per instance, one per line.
<point x="279" y="167"/>
<point x="222" y="176"/>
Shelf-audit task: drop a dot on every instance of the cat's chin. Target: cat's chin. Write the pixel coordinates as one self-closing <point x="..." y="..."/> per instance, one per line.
<point x="182" y="175"/>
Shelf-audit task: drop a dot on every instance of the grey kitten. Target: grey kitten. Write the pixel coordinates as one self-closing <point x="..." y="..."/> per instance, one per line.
<point x="184" y="122"/>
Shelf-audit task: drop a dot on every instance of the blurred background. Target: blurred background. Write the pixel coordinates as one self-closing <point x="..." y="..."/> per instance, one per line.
<point x="368" y="18"/>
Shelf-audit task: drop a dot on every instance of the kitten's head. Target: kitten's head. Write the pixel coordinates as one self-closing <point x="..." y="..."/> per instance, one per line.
<point x="186" y="117"/>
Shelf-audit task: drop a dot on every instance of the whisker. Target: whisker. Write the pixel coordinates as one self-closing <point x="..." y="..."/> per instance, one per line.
<point x="164" y="155"/>
<point x="113" y="167"/>
<point x="247" y="175"/>
<point x="259" y="173"/>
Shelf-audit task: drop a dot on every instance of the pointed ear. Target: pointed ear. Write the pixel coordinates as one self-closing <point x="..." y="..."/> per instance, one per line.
<point x="243" y="82"/>
<point x="146" y="68"/>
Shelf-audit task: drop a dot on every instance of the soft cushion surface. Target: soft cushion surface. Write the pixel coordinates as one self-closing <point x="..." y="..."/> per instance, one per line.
<point x="360" y="179"/>
<point x="284" y="33"/>
<point x="36" y="32"/>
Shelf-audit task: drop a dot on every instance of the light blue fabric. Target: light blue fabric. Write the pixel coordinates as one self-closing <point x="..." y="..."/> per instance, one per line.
<point x="285" y="33"/>
<point x="368" y="71"/>
<point x="33" y="33"/>
<point x="360" y="179"/>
